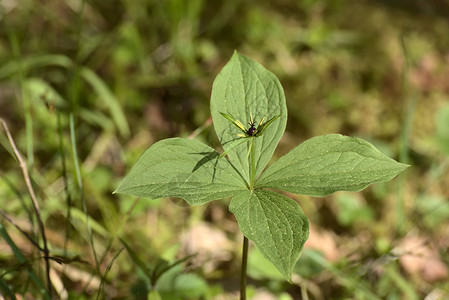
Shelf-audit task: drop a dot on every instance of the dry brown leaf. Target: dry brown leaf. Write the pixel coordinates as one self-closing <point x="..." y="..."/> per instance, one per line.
<point x="210" y="245"/>
<point x="324" y="242"/>
<point x="419" y="257"/>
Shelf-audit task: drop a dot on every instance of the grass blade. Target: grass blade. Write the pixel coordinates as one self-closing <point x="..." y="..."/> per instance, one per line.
<point x="4" y="287"/>
<point x="22" y="260"/>
<point x="138" y="262"/>
<point x="108" y="97"/>
<point x="103" y="278"/>
<point x="81" y="189"/>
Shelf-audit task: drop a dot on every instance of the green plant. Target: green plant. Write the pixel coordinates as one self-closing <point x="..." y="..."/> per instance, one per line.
<point x="165" y="280"/>
<point x="276" y="224"/>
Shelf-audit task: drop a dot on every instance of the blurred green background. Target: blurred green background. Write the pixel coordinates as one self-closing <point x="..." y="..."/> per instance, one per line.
<point x="87" y="86"/>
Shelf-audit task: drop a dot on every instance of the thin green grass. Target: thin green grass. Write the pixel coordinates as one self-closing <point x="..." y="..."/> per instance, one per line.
<point x="411" y="100"/>
<point x="408" y="290"/>
<point x="81" y="191"/>
<point x="35" y="204"/>
<point x="5" y="288"/>
<point x="33" y="63"/>
<point x="68" y="195"/>
<point x="23" y="261"/>
<point x="25" y="98"/>
<point x="108" y="268"/>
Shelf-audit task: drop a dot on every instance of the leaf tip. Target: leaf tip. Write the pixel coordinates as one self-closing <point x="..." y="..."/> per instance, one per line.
<point x="403" y="166"/>
<point x="119" y="189"/>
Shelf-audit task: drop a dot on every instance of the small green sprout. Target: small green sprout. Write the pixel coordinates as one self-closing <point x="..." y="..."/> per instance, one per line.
<point x="251" y="132"/>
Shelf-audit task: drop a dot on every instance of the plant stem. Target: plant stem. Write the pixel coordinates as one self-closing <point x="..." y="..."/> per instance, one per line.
<point x="245" y="240"/>
<point x="81" y="189"/>
<point x="66" y="183"/>
<point x="36" y="207"/>
<point x="243" y="270"/>
<point x="25" y="97"/>
<point x="253" y="167"/>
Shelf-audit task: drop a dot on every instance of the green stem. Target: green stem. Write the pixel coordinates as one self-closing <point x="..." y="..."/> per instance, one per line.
<point x="25" y="98"/>
<point x="81" y="189"/>
<point x="243" y="270"/>
<point x="253" y="167"/>
<point x="245" y="240"/>
<point x="412" y="99"/>
<point x="66" y="184"/>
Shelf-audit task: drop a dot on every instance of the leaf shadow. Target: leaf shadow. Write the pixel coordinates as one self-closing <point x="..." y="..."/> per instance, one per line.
<point x="209" y="157"/>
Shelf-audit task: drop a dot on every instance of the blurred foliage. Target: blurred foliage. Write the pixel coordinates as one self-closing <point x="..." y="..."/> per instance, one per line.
<point x="132" y="72"/>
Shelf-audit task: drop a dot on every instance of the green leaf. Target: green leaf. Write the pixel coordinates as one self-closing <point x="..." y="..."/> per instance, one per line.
<point x="234" y="122"/>
<point x="190" y="286"/>
<point x="275" y="223"/>
<point x="154" y="295"/>
<point x="182" y="168"/>
<point x="260" y="268"/>
<point x="234" y="144"/>
<point x="325" y="164"/>
<point x="442" y="129"/>
<point x="261" y="129"/>
<point x="243" y="89"/>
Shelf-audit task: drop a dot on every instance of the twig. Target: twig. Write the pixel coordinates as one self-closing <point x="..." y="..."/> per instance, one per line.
<point x="26" y="176"/>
